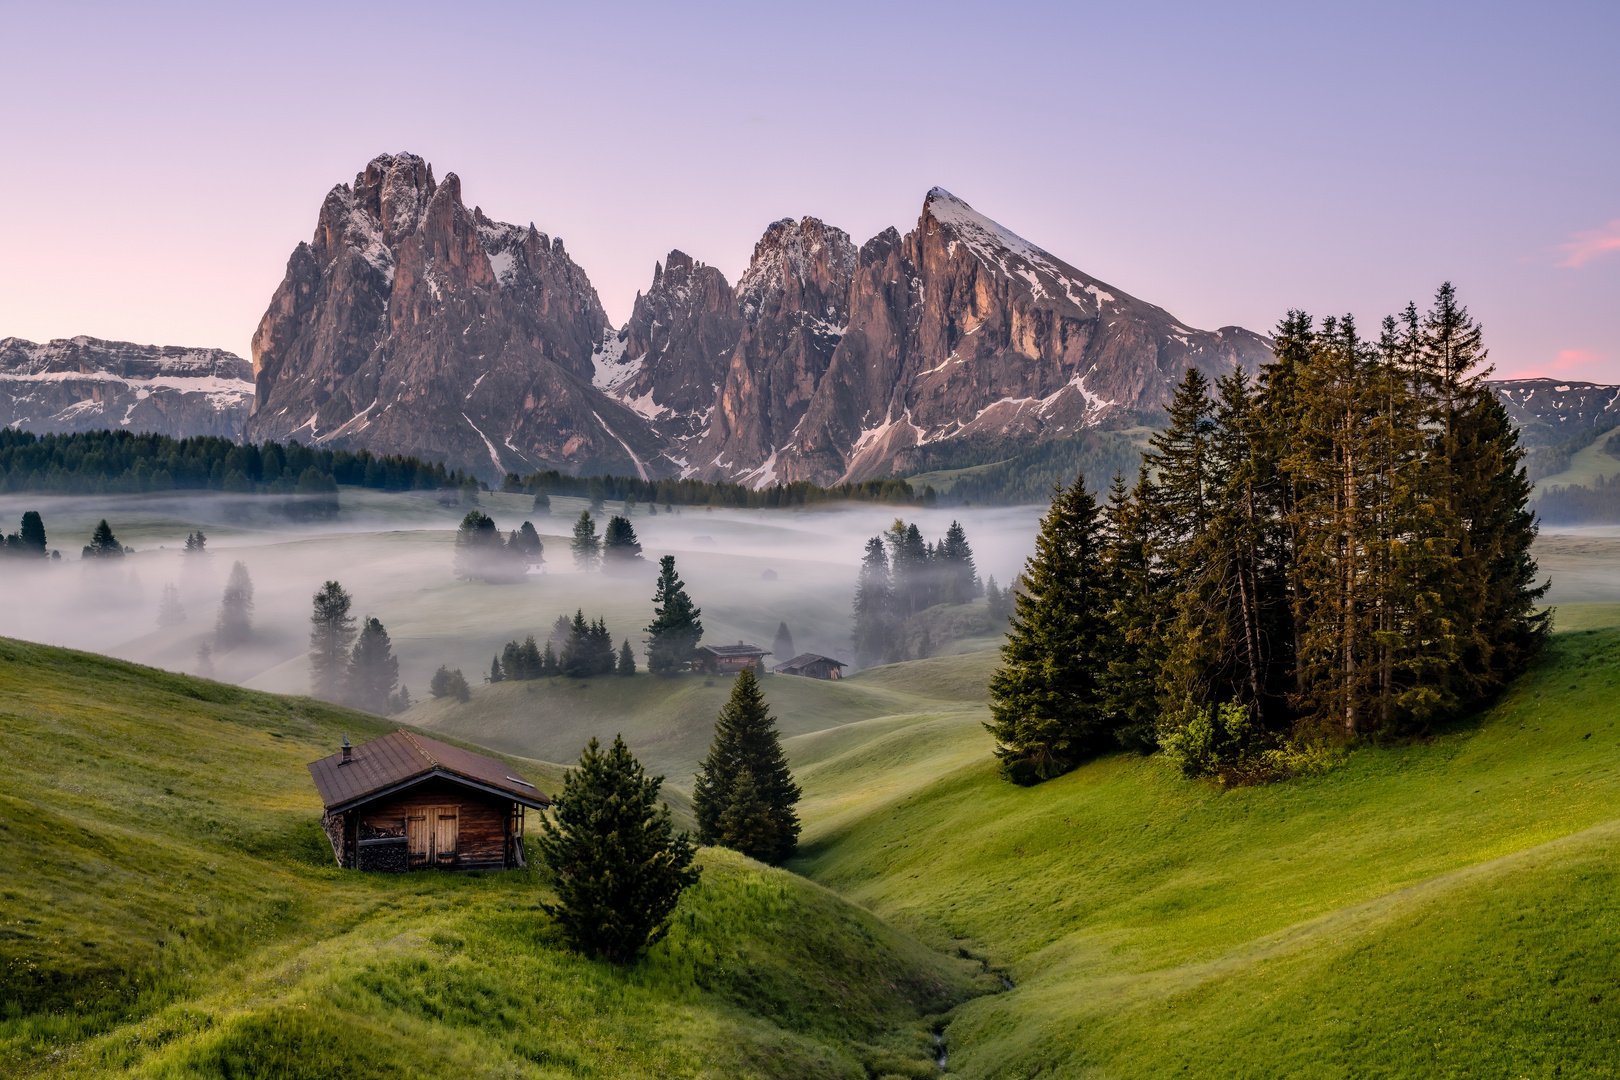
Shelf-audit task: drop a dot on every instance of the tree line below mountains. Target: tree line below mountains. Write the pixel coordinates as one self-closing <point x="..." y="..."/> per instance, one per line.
<point x="121" y="462"/>
<point x="687" y="492"/>
<point x="1337" y="550"/>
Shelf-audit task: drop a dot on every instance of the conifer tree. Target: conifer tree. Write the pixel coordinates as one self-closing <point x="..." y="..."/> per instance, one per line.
<point x="627" y="659"/>
<point x="745" y="739"/>
<point x="578" y="661"/>
<point x="495" y="674"/>
<point x="31" y="534"/>
<point x="479" y="551"/>
<point x="103" y="544"/>
<point x="532" y="663"/>
<point x="196" y="543"/>
<point x="676" y="629"/>
<point x="782" y="646"/>
<point x="620" y="548"/>
<point x="548" y="661"/>
<point x="1047" y="699"/>
<point x="586" y="546"/>
<point x="235" y="623"/>
<point x="527" y="544"/>
<point x="331" y="631"/>
<point x="961" y="578"/>
<point x="205" y="660"/>
<point x="449" y="683"/>
<point x="618" y="865"/>
<point x="373" y="668"/>
<point x="170" y="611"/>
<point x="876" y="630"/>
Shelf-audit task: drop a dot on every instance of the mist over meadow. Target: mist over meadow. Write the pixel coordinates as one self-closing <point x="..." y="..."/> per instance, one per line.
<point x="394" y="553"/>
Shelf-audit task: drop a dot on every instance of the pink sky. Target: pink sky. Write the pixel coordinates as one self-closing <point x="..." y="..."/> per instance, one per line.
<point x="1228" y="163"/>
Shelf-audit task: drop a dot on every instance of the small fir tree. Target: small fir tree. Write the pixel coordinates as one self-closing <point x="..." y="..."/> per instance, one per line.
<point x="1047" y="704"/>
<point x="103" y="544"/>
<point x="542" y="503"/>
<point x="373" y="668"/>
<point x="331" y="630"/>
<point x="495" y="675"/>
<point x="619" y="867"/>
<point x="745" y="739"/>
<point x="196" y="543"/>
<point x="170" y="611"/>
<point x="448" y="682"/>
<point x="533" y="662"/>
<point x="876" y="633"/>
<point x="31" y="535"/>
<point x="235" y="623"/>
<point x="676" y="629"/>
<point x="549" y="665"/>
<point x="627" y="659"/>
<point x="620" y="548"/>
<point x="586" y="546"/>
<point x="782" y="647"/>
<point x="205" y="660"/>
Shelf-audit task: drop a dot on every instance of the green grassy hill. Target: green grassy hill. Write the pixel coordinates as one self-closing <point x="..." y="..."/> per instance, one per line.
<point x="1444" y="909"/>
<point x="170" y="909"/>
<point x="669" y="722"/>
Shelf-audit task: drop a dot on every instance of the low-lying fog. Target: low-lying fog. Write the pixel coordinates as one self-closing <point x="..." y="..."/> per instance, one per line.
<point x="393" y="553"/>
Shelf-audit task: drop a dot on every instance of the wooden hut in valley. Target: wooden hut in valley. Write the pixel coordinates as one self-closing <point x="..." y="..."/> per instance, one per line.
<point x="407" y="802"/>
<point x="812" y="665"/>
<point x="728" y="659"/>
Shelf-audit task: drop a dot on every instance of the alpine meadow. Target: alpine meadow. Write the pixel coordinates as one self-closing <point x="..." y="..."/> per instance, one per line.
<point x="976" y="558"/>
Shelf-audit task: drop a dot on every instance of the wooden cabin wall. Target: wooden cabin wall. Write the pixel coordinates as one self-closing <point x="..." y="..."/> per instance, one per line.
<point x="480" y="828"/>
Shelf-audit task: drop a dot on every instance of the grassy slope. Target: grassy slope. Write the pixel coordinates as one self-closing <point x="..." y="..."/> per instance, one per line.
<point x="1447" y="909"/>
<point x="669" y="722"/>
<point x="171" y="909"/>
<point x="1586" y="465"/>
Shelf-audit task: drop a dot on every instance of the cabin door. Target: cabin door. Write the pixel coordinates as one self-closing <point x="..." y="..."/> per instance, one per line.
<point x="418" y="838"/>
<point x="444" y="834"/>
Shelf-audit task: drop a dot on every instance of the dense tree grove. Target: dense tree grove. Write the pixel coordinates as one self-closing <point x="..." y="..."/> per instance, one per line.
<point x="619" y="867"/>
<point x="481" y="554"/>
<point x="672" y="492"/>
<point x="1338" y="549"/>
<point x="902" y="574"/>
<point x="744" y="795"/>
<point x="120" y="462"/>
<point x="449" y="682"/>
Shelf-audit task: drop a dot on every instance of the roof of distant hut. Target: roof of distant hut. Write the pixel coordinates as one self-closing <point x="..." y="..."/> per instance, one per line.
<point x="725" y="652"/>
<point x="403" y="759"/>
<point x="804" y="660"/>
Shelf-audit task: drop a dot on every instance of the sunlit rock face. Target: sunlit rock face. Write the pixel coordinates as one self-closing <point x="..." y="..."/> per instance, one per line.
<point x="411" y="324"/>
<point x="87" y="384"/>
<point x="848" y="361"/>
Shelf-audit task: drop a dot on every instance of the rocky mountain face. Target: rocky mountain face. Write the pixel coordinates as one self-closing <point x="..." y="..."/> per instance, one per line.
<point x="1548" y="411"/>
<point x="411" y="324"/>
<point x="849" y="362"/>
<point x="86" y="384"/>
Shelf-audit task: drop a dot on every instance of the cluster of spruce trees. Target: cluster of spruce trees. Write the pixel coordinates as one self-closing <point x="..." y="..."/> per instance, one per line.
<point x="28" y="542"/>
<point x="619" y="866"/>
<point x="587" y="650"/>
<point x="616" y="550"/>
<point x="1340" y="548"/>
<point x="902" y="574"/>
<point x="481" y="553"/>
<point x="353" y="667"/>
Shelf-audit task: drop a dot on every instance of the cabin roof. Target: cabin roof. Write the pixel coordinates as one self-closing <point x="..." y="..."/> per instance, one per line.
<point x="402" y="759"/>
<point x="739" y="649"/>
<point x="805" y="659"/>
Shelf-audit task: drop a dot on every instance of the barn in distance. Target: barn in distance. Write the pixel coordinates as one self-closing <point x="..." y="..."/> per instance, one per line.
<point x="407" y="802"/>
<point x="813" y="666"/>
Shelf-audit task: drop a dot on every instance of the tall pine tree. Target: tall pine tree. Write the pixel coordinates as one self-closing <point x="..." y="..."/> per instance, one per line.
<point x="746" y="766"/>
<point x="1048" y="705"/>
<point x="331" y="629"/>
<point x="676" y="629"/>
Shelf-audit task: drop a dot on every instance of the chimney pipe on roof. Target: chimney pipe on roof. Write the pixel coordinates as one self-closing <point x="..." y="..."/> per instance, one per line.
<point x="348" y="751"/>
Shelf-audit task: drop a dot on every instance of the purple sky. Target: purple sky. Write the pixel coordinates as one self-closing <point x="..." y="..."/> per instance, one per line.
<point x="1225" y="161"/>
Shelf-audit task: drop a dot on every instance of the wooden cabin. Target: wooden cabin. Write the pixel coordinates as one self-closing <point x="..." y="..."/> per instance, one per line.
<point x="728" y="659"/>
<point x="408" y="802"/>
<point x="812" y="665"/>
